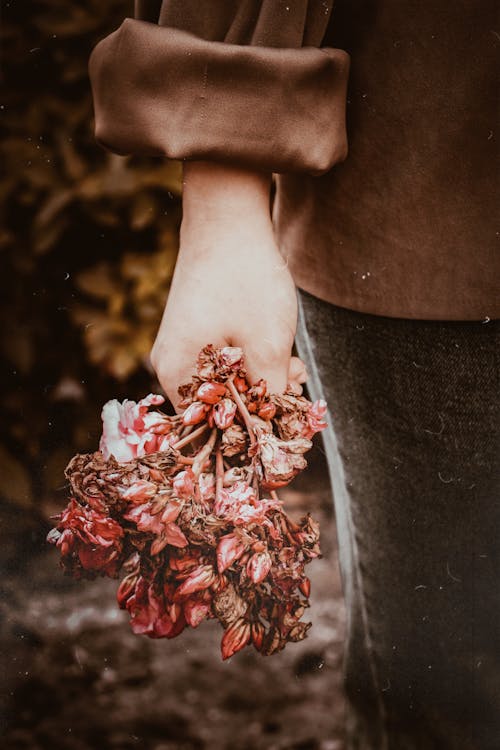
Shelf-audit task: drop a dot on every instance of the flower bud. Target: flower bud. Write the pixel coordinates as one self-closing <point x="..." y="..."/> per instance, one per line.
<point x="241" y="384"/>
<point x="211" y="392"/>
<point x="305" y="587"/>
<point x="267" y="411"/>
<point x="257" y="635"/>
<point x="259" y="566"/>
<point x="224" y="413"/>
<point x="195" y="413"/>
<point x="229" y="549"/>
<point x="174" y="535"/>
<point x="172" y="510"/>
<point x="198" y="580"/>
<point x="231" y="357"/>
<point x="183" y="484"/>
<point x="235" y="637"/>
<point x="126" y="589"/>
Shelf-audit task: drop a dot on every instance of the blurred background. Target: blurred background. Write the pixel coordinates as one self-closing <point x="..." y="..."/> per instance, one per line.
<point x="88" y="242"/>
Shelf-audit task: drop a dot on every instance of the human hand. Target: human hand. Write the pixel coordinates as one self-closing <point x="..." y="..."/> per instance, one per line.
<point x="231" y="286"/>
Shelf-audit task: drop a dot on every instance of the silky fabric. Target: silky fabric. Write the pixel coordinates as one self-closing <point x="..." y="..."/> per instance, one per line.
<point x="262" y="83"/>
<point x="412" y="447"/>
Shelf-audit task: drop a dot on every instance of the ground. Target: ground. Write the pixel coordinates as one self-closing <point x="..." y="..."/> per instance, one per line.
<point x="76" y="678"/>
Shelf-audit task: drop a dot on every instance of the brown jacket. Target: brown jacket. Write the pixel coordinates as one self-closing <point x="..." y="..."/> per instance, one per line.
<point x="405" y="226"/>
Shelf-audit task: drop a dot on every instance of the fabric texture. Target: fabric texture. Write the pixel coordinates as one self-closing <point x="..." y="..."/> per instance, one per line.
<point x="167" y="91"/>
<point x="262" y="83"/>
<point x="412" y="446"/>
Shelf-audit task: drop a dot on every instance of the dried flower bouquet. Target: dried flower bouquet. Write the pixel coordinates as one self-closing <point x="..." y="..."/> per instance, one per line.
<point x="187" y="506"/>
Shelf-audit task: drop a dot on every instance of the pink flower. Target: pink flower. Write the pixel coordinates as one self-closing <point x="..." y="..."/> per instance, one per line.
<point x="149" y="614"/>
<point x="315" y="418"/>
<point x="128" y="428"/>
<point x="88" y="541"/>
<point x="223" y="413"/>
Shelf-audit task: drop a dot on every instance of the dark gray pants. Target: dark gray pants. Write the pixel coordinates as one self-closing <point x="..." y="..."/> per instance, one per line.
<point x="412" y="450"/>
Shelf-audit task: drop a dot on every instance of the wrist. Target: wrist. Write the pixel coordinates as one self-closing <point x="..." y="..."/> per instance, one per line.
<point x="214" y="192"/>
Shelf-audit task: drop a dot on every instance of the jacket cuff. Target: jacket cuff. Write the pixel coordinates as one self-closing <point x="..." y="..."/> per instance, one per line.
<point x="166" y="92"/>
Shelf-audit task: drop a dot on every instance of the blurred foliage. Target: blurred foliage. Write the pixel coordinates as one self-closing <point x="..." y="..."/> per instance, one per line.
<point x="88" y="240"/>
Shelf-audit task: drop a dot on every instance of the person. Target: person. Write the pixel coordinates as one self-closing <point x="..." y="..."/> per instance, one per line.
<point x="392" y="250"/>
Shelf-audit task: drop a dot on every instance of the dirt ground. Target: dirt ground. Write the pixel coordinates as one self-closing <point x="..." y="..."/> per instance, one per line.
<point x="76" y="678"/>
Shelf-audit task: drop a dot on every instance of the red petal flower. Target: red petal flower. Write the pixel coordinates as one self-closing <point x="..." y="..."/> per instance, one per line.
<point x="88" y="540"/>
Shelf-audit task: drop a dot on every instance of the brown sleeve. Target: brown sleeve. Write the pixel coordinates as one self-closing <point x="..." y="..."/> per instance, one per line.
<point x="244" y="82"/>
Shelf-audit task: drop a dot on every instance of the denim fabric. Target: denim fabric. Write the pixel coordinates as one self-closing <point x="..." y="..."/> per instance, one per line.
<point x="412" y="449"/>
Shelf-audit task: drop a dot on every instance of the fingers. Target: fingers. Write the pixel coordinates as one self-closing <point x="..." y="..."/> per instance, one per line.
<point x="271" y="364"/>
<point x="297" y="372"/>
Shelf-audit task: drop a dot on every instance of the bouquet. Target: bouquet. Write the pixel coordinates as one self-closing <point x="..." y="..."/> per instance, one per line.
<point x="186" y="506"/>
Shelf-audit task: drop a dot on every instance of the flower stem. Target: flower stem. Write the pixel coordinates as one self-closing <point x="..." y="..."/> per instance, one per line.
<point x="242" y="409"/>
<point x="204" y="452"/>
<point x="219" y="473"/>
<point x="189" y="438"/>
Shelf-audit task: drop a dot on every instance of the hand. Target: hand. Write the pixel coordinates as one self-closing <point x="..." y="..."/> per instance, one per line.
<point x="231" y="286"/>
